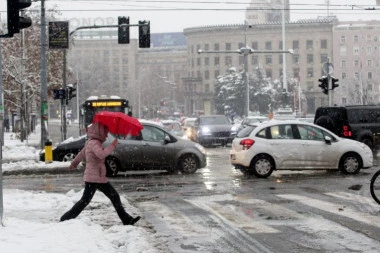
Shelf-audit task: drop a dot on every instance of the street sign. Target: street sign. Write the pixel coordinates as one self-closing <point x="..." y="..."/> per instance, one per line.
<point x="59" y="35"/>
<point x="328" y="68"/>
<point x="59" y="94"/>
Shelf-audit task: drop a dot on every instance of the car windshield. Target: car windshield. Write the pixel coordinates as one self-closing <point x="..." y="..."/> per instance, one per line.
<point x="214" y="120"/>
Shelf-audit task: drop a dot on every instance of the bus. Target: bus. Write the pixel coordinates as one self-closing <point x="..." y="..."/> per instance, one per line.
<point x="95" y="104"/>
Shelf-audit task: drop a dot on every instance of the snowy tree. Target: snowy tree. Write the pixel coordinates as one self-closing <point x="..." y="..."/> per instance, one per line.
<point x="21" y="68"/>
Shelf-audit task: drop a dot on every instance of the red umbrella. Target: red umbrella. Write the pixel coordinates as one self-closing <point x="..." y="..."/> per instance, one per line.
<point x="118" y="123"/>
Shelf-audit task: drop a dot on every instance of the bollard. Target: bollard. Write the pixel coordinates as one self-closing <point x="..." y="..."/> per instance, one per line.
<point x="48" y="152"/>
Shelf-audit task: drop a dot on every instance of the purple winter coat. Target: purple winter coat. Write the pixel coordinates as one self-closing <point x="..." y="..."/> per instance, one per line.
<point x="93" y="152"/>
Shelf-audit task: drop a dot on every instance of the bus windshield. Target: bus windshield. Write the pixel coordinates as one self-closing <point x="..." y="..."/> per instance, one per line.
<point x="95" y="104"/>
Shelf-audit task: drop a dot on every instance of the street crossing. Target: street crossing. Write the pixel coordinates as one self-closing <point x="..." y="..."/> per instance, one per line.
<point x="328" y="222"/>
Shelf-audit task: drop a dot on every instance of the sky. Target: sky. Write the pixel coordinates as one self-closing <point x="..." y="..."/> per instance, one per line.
<point x="176" y="15"/>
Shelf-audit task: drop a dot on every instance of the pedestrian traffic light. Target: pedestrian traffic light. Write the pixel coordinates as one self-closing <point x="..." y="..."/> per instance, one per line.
<point x="15" y="21"/>
<point x="324" y="84"/>
<point x="334" y="83"/>
<point x="144" y="34"/>
<point x="123" y="32"/>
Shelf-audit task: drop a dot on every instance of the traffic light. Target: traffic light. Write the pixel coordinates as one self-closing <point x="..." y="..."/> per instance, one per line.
<point x="123" y="32"/>
<point x="71" y="92"/>
<point x="15" y="21"/>
<point x="334" y="83"/>
<point x="59" y="94"/>
<point x="324" y="84"/>
<point x="144" y="34"/>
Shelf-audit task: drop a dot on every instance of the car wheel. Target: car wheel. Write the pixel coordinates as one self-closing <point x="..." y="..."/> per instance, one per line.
<point x="112" y="166"/>
<point x="188" y="164"/>
<point x="350" y="163"/>
<point x="68" y="157"/>
<point x="368" y="142"/>
<point x="262" y="166"/>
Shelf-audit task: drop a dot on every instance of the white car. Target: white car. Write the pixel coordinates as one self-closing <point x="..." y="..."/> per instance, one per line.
<point x="293" y="145"/>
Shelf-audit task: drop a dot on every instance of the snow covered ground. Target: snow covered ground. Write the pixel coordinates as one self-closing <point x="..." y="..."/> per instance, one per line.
<point x="31" y="219"/>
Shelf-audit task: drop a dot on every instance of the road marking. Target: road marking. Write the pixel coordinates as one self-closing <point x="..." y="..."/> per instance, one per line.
<point x="337" y="209"/>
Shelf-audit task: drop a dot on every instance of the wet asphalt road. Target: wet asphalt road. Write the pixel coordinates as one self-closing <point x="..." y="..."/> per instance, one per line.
<point x="218" y="209"/>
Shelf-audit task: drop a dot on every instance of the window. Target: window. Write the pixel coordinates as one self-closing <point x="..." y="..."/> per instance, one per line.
<point x="216" y="61"/>
<point x="356" y="38"/>
<point x="296" y="58"/>
<point x="369" y="39"/>
<point x="324" y="58"/>
<point x="198" y="61"/>
<point x="241" y="59"/>
<point x="323" y="44"/>
<point x="311" y="133"/>
<point x="280" y="59"/>
<point x="150" y="133"/>
<point x="342" y="39"/>
<point x="310" y="72"/>
<point x="207" y="47"/>
<point x="369" y="75"/>
<point x="310" y="58"/>
<point x="296" y="44"/>
<point x="207" y="61"/>
<point x="280" y="45"/>
<point x="343" y="50"/>
<point x="268" y="45"/>
<point x="281" y="132"/>
<point x="216" y="73"/>
<point x="228" y="60"/>
<point x="344" y="75"/>
<point x="207" y="75"/>
<point x="296" y="72"/>
<point x="255" y="60"/>
<point x="228" y="46"/>
<point x="268" y="59"/>
<point x="369" y="50"/>
<point x="309" y="44"/>
<point x="356" y="50"/>
<point x="369" y="63"/>
<point x="241" y="45"/>
<point x="207" y="87"/>
<point x="216" y="47"/>
<point x="356" y="75"/>
<point x="198" y="47"/>
<point x="356" y="63"/>
<point x="343" y="64"/>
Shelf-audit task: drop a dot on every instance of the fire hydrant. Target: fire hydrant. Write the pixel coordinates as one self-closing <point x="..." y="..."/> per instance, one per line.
<point x="48" y="152"/>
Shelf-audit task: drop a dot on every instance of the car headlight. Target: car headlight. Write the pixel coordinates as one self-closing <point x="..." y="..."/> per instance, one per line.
<point x="200" y="148"/>
<point x="205" y="131"/>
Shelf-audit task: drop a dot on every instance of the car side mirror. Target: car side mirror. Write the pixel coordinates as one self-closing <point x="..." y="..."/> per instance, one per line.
<point x="328" y="140"/>
<point x="167" y="138"/>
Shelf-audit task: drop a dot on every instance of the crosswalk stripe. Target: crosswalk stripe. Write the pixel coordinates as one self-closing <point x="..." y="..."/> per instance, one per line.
<point x="337" y="209"/>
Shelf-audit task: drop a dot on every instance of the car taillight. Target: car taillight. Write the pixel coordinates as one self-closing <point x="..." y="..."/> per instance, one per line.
<point x="247" y="143"/>
<point x="346" y="131"/>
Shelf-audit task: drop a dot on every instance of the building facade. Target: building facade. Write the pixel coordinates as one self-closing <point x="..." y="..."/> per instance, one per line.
<point x="311" y="41"/>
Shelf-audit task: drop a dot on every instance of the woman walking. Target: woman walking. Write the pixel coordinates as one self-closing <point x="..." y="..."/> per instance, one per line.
<point x="95" y="174"/>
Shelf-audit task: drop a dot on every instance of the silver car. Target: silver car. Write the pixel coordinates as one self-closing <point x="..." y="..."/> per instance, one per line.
<point x="154" y="149"/>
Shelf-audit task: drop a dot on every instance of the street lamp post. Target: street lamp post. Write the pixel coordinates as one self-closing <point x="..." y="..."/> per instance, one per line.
<point x="245" y="51"/>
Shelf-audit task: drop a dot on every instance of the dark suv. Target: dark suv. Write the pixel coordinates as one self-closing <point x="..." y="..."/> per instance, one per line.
<point x="357" y="122"/>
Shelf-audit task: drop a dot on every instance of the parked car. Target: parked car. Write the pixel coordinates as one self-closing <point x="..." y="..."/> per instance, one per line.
<point x="66" y="150"/>
<point x="295" y="145"/>
<point x="153" y="149"/>
<point x="188" y="127"/>
<point x="213" y="129"/>
<point x="359" y="122"/>
<point x="251" y="120"/>
<point x="174" y="127"/>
